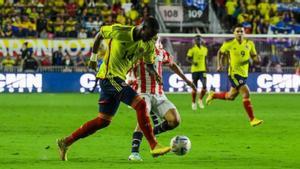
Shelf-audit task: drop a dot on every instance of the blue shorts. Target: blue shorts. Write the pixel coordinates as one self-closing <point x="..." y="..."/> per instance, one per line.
<point x="199" y="76"/>
<point x="113" y="91"/>
<point x="237" y="81"/>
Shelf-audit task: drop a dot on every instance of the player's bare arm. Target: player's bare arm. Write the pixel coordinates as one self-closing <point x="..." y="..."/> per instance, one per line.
<point x="176" y="69"/>
<point x="151" y="70"/>
<point x="220" y="57"/>
<point x="256" y="59"/>
<point x="93" y="59"/>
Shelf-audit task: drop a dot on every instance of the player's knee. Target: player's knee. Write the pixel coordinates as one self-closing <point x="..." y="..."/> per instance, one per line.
<point x="173" y="122"/>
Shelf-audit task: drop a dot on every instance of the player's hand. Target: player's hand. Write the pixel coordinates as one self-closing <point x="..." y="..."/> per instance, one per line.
<point x="192" y="85"/>
<point x="92" y="65"/>
<point x="219" y="68"/>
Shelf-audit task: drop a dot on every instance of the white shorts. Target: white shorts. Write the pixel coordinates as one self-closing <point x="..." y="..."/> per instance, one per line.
<point x="158" y="104"/>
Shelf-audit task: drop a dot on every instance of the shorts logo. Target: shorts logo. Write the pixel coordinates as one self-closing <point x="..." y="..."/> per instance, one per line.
<point x="124" y="84"/>
<point x="241" y="81"/>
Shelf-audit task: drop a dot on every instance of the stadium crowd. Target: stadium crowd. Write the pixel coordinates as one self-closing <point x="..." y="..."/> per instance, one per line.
<point x="260" y="16"/>
<point x="83" y="18"/>
<point x="66" y="18"/>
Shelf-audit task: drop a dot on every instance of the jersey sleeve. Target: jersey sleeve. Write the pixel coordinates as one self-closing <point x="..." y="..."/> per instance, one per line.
<point x="224" y="47"/>
<point x="119" y="32"/>
<point x="190" y="53"/>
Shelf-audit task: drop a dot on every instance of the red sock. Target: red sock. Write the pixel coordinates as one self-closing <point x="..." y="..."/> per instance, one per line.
<point x="220" y="95"/>
<point x="202" y="93"/>
<point x="144" y="122"/>
<point x="248" y="108"/>
<point x="87" y="129"/>
<point x="194" y="93"/>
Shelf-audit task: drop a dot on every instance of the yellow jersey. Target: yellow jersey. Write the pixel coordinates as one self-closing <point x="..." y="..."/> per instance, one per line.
<point x="8" y="62"/>
<point x="123" y="52"/>
<point x="198" y="55"/>
<point x="239" y="55"/>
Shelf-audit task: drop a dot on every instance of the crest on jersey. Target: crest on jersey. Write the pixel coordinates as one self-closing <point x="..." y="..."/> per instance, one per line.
<point x="247" y="47"/>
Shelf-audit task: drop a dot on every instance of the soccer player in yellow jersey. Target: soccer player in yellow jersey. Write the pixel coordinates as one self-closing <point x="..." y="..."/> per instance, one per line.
<point x="127" y="45"/>
<point x="197" y="57"/>
<point x="239" y="51"/>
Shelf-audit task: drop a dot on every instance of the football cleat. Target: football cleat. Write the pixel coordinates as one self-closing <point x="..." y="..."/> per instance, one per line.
<point x="159" y="150"/>
<point x="210" y="97"/>
<point x="194" y="106"/>
<point x="135" y="157"/>
<point x="63" y="148"/>
<point x="255" y="122"/>
<point x="200" y="103"/>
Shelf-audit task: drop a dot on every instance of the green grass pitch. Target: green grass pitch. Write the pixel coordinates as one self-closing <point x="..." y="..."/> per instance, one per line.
<point x="220" y="134"/>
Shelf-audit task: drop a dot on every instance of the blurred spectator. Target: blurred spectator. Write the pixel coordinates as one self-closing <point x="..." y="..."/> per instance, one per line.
<point x="8" y="31"/>
<point x="25" y="51"/>
<point x="231" y="6"/>
<point x="60" y="18"/>
<point x="43" y="34"/>
<point x="70" y="27"/>
<point x="264" y="9"/>
<point x="68" y="63"/>
<point x="71" y="8"/>
<point x="80" y="61"/>
<point x="46" y="61"/>
<point x="106" y="12"/>
<point x="59" y="27"/>
<point x="30" y="64"/>
<point x="41" y="23"/>
<point x="8" y="63"/>
<point x="275" y="60"/>
<point x="132" y="14"/>
<point x="88" y="25"/>
<point x="121" y="17"/>
<point x="82" y="34"/>
<point x="57" y="57"/>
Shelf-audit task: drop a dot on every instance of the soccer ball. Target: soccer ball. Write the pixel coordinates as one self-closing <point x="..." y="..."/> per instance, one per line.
<point x="180" y="145"/>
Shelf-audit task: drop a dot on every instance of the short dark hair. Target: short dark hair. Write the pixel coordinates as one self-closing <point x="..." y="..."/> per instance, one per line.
<point x="151" y="23"/>
<point x="198" y="36"/>
<point x="238" y="26"/>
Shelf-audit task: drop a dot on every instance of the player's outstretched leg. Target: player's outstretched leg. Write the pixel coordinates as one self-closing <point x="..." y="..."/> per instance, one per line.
<point x="144" y="122"/>
<point x="85" y="130"/>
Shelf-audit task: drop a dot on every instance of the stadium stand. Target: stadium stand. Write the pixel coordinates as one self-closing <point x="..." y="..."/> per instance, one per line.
<point x="81" y="19"/>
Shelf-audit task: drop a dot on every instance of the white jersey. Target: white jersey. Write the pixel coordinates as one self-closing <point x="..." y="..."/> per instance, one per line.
<point x="144" y="82"/>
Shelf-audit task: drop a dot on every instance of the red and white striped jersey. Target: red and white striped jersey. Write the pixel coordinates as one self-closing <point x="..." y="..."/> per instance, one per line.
<point x="142" y="81"/>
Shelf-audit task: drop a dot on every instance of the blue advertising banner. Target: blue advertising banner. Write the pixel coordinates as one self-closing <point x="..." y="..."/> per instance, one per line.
<point x="83" y="82"/>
